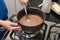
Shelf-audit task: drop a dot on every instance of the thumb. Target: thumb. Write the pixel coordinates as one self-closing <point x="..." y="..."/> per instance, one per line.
<point x="14" y="24"/>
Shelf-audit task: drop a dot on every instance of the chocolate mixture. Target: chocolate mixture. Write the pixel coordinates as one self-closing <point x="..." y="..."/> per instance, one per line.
<point x="33" y="20"/>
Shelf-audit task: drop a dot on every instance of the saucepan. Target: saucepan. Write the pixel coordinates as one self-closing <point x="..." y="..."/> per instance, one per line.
<point x="31" y="11"/>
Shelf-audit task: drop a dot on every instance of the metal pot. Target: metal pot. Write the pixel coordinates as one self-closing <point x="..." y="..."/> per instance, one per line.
<point x="34" y="11"/>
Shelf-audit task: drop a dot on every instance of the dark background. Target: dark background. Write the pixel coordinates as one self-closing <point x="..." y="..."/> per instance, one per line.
<point x="52" y="16"/>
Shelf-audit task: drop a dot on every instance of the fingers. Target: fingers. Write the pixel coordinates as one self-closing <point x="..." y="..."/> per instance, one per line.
<point x="14" y="24"/>
<point x="24" y="2"/>
<point x="15" y="28"/>
<point x="19" y="29"/>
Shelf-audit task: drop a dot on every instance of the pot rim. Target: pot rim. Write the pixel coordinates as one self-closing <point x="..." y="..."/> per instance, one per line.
<point x="33" y="14"/>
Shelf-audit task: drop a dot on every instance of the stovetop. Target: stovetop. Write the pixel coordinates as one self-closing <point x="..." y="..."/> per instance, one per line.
<point x="20" y="35"/>
<point x="39" y="36"/>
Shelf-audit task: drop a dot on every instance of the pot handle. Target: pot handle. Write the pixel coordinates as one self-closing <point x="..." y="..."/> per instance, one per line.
<point x="13" y="18"/>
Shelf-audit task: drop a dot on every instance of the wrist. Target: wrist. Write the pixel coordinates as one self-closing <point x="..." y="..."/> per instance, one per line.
<point x="1" y="22"/>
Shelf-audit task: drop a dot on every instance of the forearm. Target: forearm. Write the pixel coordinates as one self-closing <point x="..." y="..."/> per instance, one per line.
<point x="1" y="22"/>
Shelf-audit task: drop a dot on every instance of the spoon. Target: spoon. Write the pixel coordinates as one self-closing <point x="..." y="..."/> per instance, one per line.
<point x="27" y="18"/>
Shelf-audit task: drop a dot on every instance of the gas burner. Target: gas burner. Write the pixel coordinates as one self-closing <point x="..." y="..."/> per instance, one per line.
<point x="36" y="37"/>
<point x="27" y="35"/>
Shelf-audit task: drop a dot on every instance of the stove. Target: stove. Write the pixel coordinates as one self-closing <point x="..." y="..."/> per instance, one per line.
<point x="54" y="32"/>
<point x="20" y="35"/>
<point x="42" y="34"/>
